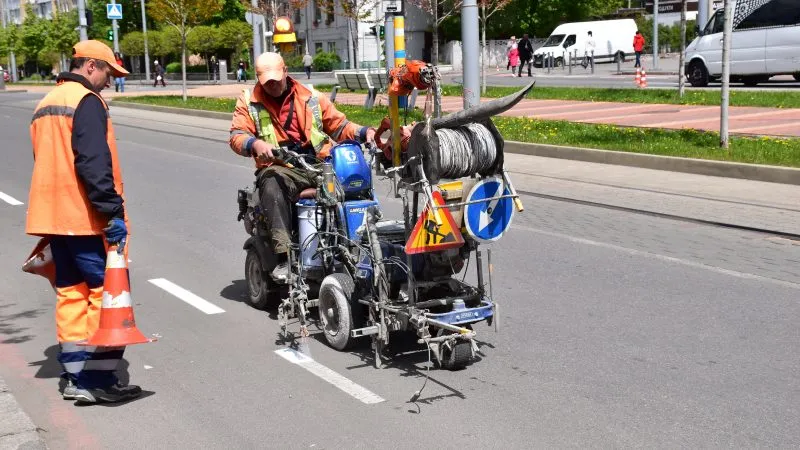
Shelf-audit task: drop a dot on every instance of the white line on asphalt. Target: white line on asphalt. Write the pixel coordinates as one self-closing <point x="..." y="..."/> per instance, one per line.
<point x="199" y="303"/>
<point x="630" y="251"/>
<point x="358" y="392"/>
<point x="10" y="200"/>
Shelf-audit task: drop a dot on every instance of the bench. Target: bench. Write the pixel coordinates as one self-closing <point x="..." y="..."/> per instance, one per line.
<point x="372" y="82"/>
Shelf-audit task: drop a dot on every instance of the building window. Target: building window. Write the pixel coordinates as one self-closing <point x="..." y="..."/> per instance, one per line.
<point x="297" y="16"/>
<point x="317" y="13"/>
<point x="329" y="19"/>
<point x="317" y="47"/>
<point x="331" y="47"/>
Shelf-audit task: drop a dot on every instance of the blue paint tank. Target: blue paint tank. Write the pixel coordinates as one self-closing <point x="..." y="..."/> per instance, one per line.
<point x="351" y="168"/>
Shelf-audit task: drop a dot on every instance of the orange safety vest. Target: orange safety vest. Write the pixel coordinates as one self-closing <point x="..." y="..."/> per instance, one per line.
<point x="58" y="203"/>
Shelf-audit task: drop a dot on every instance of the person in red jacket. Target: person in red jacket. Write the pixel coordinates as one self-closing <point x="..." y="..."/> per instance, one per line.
<point x="638" y="47"/>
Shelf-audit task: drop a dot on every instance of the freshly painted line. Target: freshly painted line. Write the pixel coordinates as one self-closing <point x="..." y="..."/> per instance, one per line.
<point x="10" y="200"/>
<point x="199" y="303"/>
<point x="360" y="393"/>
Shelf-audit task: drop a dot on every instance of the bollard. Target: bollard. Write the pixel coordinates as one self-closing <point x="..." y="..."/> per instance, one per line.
<point x="547" y="62"/>
<point x="592" y="62"/>
<point x="563" y="61"/>
<point x="619" y="65"/>
<point x="571" y="62"/>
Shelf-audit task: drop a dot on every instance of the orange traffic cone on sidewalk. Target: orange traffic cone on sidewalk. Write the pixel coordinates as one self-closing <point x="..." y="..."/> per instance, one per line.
<point x="637" y="80"/>
<point x="117" y="325"/>
<point x="644" y="79"/>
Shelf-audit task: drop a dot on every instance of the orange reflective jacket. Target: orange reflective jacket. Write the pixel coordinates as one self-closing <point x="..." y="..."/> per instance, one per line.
<point x="58" y="203"/>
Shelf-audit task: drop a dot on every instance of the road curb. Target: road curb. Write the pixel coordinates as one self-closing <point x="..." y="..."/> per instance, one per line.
<point x="17" y="430"/>
<point x="755" y="172"/>
<point x="12" y="91"/>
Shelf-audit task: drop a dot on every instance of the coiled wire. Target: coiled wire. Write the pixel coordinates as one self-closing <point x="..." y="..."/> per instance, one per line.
<point x="465" y="151"/>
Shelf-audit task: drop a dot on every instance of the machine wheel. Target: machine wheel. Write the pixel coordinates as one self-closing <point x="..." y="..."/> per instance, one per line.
<point x="698" y="74"/>
<point x="458" y="357"/>
<point x="259" y="284"/>
<point x="338" y="311"/>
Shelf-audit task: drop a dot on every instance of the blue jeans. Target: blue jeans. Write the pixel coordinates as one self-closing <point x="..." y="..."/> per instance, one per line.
<point x="120" y="82"/>
<point x="638" y="59"/>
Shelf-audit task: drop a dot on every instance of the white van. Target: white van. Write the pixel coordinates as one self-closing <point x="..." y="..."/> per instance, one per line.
<point x="766" y="42"/>
<point x="613" y="41"/>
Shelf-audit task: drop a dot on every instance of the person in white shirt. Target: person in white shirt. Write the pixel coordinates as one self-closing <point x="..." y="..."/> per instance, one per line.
<point x="308" y="61"/>
<point x="588" y="49"/>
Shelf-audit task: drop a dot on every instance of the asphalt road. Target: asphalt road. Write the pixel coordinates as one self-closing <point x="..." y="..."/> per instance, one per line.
<point x="615" y="331"/>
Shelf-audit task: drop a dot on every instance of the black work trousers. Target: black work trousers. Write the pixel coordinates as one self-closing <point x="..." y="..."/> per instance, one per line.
<point x="525" y="60"/>
<point x="279" y="188"/>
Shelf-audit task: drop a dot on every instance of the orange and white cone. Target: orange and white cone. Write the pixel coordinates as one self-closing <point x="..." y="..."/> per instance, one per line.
<point x="638" y="79"/>
<point x="644" y="79"/>
<point x="117" y="326"/>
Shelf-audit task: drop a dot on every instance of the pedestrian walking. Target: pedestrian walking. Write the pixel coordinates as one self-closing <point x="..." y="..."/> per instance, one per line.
<point x="308" y="61"/>
<point x="158" y="72"/>
<point x="77" y="204"/>
<point x="638" y="47"/>
<point x="513" y="58"/>
<point x="511" y="43"/>
<point x="241" y="72"/>
<point x="525" y="54"/>
<point x="588" y="51"/>
<point x="119" y="82"/>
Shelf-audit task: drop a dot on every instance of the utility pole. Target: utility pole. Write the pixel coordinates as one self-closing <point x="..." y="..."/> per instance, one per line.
<point x="727" y="35"/>
<point x="655" y="34"/>
<point x="682" y="59"/>
<point x="84" y="36"/>
<point x="12" y="59"/>
<point x="146" y="52"/>
<point x="702" y="13"/>
<point x="469" y="37"/>
<point x="115" y="29"/>
<point x="257" y="40"/>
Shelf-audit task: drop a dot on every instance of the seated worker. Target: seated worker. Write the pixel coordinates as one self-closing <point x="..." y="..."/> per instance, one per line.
<point x="282" y="111"/>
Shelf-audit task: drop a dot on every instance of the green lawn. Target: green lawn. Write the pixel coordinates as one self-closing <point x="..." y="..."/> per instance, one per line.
<point x="684" y="143"/>
<point x="665" y="96"/>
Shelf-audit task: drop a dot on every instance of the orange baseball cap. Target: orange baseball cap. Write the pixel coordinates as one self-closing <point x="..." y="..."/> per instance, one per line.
<point x="98" y="51"/>
<point x="270" y="66"/>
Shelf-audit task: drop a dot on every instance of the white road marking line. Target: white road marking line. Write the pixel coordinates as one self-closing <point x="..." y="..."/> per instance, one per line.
<point x="630" y="251"/>
<point x="10" y="200"/>
<point x="199" y="303"/>
<point x="360" y="393"/>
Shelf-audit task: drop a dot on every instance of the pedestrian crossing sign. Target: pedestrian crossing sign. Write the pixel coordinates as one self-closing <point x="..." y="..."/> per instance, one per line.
<point x="428" y="236"/>
<point x="113" y="11"/>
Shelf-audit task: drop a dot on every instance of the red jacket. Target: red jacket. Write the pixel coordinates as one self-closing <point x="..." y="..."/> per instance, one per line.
<point x="638" y="43"/>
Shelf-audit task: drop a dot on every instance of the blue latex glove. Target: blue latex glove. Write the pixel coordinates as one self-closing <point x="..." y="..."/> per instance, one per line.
<point x="116" y="232"/>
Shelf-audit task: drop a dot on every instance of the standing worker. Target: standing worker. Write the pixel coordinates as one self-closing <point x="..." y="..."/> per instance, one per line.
<point x="77" y="202"/>
<point x="308" y="61"/>
<point x="638" y="47"/>
<point x="280" y="111"/>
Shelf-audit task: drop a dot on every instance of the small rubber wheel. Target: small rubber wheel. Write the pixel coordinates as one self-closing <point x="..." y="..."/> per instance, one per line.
<point x="458" y="357"/>
<point x="338" y="311"/>
<point x="259" y="285"/>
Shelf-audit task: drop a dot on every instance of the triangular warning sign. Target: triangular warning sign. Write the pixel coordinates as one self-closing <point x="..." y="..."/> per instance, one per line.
<point x="427" y="236"/>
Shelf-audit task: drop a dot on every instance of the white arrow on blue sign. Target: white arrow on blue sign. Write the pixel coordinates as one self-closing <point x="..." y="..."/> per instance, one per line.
<point x="113" y="11"/>
<point x="490" y="217"/>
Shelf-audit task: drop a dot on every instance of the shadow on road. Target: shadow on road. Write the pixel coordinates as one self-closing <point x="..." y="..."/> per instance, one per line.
<point x="10" y="327"/>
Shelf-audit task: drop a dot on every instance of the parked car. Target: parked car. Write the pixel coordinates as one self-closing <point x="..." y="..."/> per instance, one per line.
<point x="613" y="41"/>
<point x="765" y="43"/>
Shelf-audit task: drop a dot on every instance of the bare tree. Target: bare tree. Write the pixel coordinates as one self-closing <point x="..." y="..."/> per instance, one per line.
<point x="354" y="11"/>
<point x="681" y="69"/>
<point x="488" y="7"/>
<point x="440" y="10"/>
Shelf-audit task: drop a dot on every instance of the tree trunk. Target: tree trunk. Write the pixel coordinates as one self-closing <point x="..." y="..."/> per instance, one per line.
<point x="183" y="61"/>
<point x="681" y="69"/>
<point x="435" y="49"/>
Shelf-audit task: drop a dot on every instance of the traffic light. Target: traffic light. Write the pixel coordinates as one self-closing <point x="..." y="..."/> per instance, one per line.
<point x="381" y="33"/>
<point x="373" y="30"/>
<point x="110" y="35"/>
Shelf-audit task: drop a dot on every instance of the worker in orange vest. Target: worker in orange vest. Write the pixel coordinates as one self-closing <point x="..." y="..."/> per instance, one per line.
<point x="76" y="202"/>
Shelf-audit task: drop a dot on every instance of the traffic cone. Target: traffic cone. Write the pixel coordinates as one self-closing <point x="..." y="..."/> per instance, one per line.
<point x="644" y="79"/>
<point x="637" y="80"/>
<point x="117" y="326"/>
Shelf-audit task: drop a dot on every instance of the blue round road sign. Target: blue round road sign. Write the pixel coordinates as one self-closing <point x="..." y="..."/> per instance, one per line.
<point x="486" y="221"/>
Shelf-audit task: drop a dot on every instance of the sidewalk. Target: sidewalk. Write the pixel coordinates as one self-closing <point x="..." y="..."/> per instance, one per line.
<point x="17" y="431"/>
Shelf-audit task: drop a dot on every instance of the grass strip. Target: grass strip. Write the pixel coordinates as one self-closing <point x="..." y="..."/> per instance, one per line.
<point x="766" y="99"/>
<point x="653" y="141"/>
